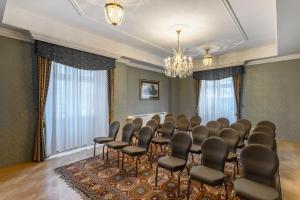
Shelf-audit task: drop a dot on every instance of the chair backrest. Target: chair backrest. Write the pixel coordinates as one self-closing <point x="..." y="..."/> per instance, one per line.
<point x="195" y="121"/>
<point x="181" y="143"/>
<point x="224" y="122"/>
<point x="259" y="163"/>
<point x="199" y="133"/>
<point x="265" y="129"/>
<point x="153" y="124"/>
<point x="247" y="125"/>
<point x="240" y="128"/>
<point x="167" y="130"/>
<point x="214" y="153"/>
<point x="262" y="138"/>
<point x="127" y="132"/>
<point x="169" y="115"/>
<point x="180" y="117"/>
<point x="231" y="138"/>
<point x="114" y="129"/>
<point x="213" y="127"/>
<point x="145" y="137"/>
<point x="267" y="123"/>
<point x="157" y="118"/>
<point x="137" y="122"/>
<point x="183" y="124"/>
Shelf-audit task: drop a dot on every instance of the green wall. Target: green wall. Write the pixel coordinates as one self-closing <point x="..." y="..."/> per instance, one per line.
<point x="17" y="109"/>
<point x="272" y="92"/>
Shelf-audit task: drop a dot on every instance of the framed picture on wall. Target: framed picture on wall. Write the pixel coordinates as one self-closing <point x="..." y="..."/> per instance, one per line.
<point x="149" y="90"/>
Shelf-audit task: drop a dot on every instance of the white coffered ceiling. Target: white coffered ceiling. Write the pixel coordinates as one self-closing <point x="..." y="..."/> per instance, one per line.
<point x="147" y="32"/>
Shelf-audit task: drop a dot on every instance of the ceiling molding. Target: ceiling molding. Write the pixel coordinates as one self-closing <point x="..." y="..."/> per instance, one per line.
<point x="82" y="13"/>
<point x="273" y="59"/>
<point x="140" y="66"/>
<point x="15" y="34"/>
<point x="235" y="20"/>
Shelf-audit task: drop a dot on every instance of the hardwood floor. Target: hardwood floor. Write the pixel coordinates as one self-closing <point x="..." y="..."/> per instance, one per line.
<point x="39" y="181"/>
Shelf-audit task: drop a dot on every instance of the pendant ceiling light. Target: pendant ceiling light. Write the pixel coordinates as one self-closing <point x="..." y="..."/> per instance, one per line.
<point x="114" y="13"/>
<point x="179" y="65"/>
<point x="207" y="60"/>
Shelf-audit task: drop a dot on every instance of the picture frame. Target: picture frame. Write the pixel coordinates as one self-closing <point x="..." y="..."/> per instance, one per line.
<point x="149" y="89"/>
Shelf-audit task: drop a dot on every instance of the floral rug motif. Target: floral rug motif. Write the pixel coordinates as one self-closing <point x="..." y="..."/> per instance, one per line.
<point x="94" y="179"/>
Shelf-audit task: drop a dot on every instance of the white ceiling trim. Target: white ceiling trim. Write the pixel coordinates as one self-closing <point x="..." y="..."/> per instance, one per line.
<point x="273" y="59"/>
<point x="140" y="66"/>
<point x="235" y="20"/>
<point x="15" y="34"/>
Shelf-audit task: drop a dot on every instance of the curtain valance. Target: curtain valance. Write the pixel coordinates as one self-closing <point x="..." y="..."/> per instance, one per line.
<point x="72" y="57"/>
<point x="217" y="74"/>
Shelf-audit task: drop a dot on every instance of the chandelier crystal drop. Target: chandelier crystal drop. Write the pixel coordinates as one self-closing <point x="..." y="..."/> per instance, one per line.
<point x="114" y="13"/>
<point x="179" y="65"/>
<point x="207" y="60"/>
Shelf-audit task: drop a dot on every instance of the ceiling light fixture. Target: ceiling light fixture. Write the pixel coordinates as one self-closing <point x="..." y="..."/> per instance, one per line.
<point x="114" y="13"/>
<point x="179" y="65"/>
<point x="207" y="60"/>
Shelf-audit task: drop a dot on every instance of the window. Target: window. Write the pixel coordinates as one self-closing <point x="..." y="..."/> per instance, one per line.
<point x="217" y="99"/>
<point x="76" y="108"/>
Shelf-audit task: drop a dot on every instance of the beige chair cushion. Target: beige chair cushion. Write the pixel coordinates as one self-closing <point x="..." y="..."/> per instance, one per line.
<point x="207" y="175"/>
<point x="134" y="150"/>
<point x="161" y="140"/>
<point x="248" y="189"/>
<point x="102" y="140"/>
<point x="171" y="163"/>
<point x="231" y="157"/>
<point x="117" y="144"/>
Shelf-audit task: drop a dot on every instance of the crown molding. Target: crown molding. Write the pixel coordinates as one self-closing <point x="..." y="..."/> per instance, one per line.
<point x="140" y="66"/>
<point x="6" y="32"/>
<point x="273" y="59"/>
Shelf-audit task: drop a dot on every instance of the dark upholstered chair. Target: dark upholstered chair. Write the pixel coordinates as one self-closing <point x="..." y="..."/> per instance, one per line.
<point x="240" y="128"/>
<point x="247" y="125"/>
<point x="259" y="165"/>
<point x="181" y="143"/>
<point x="265" y="129"/>
<point x="157" y="118"/>
<point x="213" y="127"/>
<point x="180" y="117"/>
<point x="262" y="139"/>
<point x="113" y="131"/>
<point x="195" y="121"/>
<point x="153" y="124"/>
<point x="231" y="138"/>
<point x="267" y="123"/>
<point x="137" y="123"/>
<point x="199" y="133"/>
<point x="141" y="149"/>
<point x="224" y="122"/>
<point x="127" y="134"/>
<point x="170" y="119"/>
<point x="169" y="115"/>
<point x="166" y="132"/>
<point x="183" y="124"/>
<point x="211" y="171"/>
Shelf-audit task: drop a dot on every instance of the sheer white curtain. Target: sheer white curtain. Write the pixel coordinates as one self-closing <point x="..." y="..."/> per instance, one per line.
<point x="217" y="100"/>
<point x="76" y="107"/>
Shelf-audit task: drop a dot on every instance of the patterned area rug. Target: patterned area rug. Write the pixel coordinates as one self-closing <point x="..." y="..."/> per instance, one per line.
<point x="94" y="178"/>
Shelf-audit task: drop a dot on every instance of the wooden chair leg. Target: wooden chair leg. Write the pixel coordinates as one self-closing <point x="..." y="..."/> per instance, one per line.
<point x="107" y="154"/>
<point x="149" y="158"/>
<point x="136" y="166"/>
<point x="103" y="148"/>
<point x="226" y="191"/>
<point x="178" y="192"/>
<point x="123" y="158"/>
<point x="156" y="174"/>
<point x="237" y="167"/>
<point x="94" y="149"/>
<point x="188" y="188"/>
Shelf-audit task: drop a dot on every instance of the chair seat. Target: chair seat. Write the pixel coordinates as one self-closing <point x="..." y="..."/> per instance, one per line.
<point x="195" y="149"/>
<point x="103" y="140"/>
<point x="134" y="150"/>
<point x="231" y="157"/>
<point x="160" y="140"/>
<point x="248" y="189"/>
<point x="241" y="145"/>
<point x="117" y="144"/>
<point x="207" y="175"/>
<point x="171" y="163"/>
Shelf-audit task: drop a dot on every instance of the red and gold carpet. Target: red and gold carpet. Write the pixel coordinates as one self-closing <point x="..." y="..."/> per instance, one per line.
<point x="95" y="179"/>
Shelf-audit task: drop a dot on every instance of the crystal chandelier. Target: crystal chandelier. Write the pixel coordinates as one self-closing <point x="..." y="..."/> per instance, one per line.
<point x="207" y="60"/>
<point x="114" y="13"/>
<point x="178" y="66"/>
